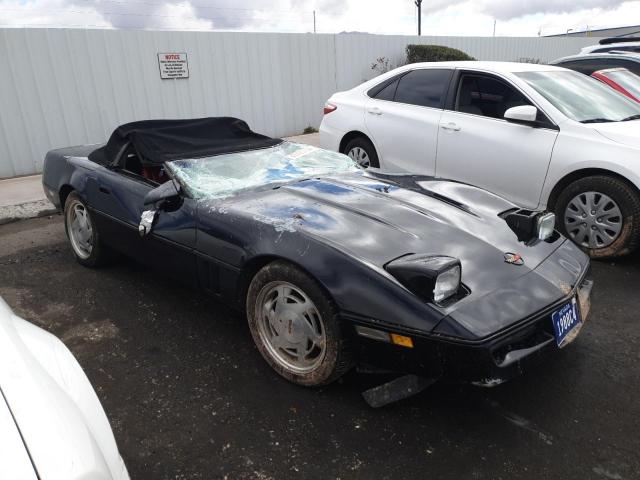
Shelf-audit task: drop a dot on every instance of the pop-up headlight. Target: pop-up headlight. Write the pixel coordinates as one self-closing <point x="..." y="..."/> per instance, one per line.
<point x="447" y="283"/>
<point x="530" y="225"/>
<point x="432" y="278"/>
<point x="545" y="223"/>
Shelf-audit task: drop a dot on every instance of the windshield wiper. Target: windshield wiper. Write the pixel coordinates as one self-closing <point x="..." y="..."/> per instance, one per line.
<point x="597" y="120"/>
<point x="632" y="117"/>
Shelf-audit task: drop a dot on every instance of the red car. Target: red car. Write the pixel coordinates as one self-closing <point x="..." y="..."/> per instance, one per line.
<point x="622" y="80"/>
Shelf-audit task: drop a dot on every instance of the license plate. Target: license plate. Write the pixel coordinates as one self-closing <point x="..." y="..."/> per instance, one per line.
<point x="566" y="322"/>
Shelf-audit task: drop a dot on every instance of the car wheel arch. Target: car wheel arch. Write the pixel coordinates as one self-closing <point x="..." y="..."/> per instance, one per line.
<point x="63" y="193"/>
<point x="350" y="136"/>
<point x="582" y="173"/>
<point x="255" y="264"/>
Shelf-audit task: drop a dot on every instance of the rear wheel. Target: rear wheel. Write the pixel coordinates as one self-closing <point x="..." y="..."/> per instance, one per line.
<point x="363" y="152"/>
<point x="83" y="234"/>
<point x="295" y="327"/>
<point x="601" y="214"/>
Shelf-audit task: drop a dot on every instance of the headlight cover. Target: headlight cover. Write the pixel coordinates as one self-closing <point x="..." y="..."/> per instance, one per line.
<point x="434" y="278"/>
<point x="545" y="223"/>
<point x="530" y="225"/>
<point x="447" y="284"/>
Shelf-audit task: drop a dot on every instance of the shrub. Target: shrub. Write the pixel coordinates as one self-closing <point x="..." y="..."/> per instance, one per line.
<point x="434" y="53"/>
<point x="382" y="65"/>
<point x="309" y="130"/>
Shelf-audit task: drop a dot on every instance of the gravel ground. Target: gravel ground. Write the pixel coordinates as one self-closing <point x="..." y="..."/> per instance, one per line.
<point x="189" y="397"/>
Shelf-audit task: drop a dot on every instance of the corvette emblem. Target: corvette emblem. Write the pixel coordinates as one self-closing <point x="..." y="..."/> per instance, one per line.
<point x="513" y="258"/>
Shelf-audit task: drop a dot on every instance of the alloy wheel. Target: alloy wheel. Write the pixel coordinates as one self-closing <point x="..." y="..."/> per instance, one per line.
<point x="291" y="327"/>
<point x="80" y="230"/>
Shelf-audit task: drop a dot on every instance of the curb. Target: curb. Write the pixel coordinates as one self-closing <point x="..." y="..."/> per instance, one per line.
<point x="23" y="211"/>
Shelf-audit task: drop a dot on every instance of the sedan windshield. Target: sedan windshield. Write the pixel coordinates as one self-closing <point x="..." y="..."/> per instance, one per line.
<point x="627" y="80"/>
<point x="224" y="175"/>
<point x="580" y="97"/>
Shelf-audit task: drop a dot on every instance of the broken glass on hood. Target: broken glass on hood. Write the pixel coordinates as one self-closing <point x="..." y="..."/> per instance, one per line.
<point x="224" y="175"/>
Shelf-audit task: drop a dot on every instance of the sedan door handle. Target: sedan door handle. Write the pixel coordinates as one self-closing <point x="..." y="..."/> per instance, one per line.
<point x="452" y="127"/>
<point x="374" y="111"/>
<point x="104" y="190"/>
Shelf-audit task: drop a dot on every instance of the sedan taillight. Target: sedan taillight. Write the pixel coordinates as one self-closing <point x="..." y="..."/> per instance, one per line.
<point x="329" y="107"/>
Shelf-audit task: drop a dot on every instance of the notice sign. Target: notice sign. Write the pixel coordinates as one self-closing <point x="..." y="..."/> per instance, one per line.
<point x="173" y="65"/>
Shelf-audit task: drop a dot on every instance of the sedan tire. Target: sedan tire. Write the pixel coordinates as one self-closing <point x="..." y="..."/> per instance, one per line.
<point x="83" y="234"/>
<point x="363" y="152"/>
<point x="294" y="324"/>
<point x="601" y="214"/>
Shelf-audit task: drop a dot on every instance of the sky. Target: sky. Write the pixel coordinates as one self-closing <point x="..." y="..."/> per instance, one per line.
<point x="439" y="17"/>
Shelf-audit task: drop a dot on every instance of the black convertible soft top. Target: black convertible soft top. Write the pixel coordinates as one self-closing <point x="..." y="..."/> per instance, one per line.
<point x="158" y="141"/>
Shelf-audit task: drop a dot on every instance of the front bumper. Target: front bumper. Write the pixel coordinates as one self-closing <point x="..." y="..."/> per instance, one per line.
<point x="487" y="362"/>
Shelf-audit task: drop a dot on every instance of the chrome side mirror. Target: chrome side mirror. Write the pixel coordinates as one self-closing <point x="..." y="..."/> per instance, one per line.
<point x="146" y="222"/>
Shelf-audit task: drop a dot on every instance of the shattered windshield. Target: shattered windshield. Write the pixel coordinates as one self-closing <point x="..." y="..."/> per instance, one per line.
<point x="223" y="175"/>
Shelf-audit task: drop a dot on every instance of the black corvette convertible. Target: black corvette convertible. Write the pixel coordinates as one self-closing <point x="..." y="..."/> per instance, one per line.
<point x="334" y="265"/>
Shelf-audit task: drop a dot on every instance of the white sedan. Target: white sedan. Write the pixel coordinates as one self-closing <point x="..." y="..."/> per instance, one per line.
<point x="52" y="426"/>
<point x="541" y="136"/>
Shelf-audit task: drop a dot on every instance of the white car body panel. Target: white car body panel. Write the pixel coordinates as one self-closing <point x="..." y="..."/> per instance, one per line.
<point x="406" y="136"/>
<point x="521" y="163"/>
<point x="611" y="46"/>
<point x="487" y="152"/>
<point x="580" y="148"/>
<point x="625" y="133"/>
<point x="14" y="459"/>
<point x="57" y="412"/>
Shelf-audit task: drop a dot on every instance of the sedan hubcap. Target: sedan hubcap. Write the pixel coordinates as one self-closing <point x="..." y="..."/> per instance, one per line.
<point x="593" y="220"/>
<point x="80" y="230"/>
<point x="359" y="154"/>
<point x="290" y="327"/>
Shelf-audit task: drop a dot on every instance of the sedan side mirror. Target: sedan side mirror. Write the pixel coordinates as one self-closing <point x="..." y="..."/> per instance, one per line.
<point x="522" y="114"/>
<point x="162" y="194"/>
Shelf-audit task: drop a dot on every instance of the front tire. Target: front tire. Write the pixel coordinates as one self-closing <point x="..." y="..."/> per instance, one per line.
<point x="83" y="234"/>
<point x="363" y="152"/>
<point x="601" y="214"/>
<point x="294" y="324"/>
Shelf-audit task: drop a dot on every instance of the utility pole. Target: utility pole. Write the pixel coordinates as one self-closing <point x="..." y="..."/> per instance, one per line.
<point x="314" y="21"/>
<point x="419" y="5"/>
<point x="494" y="27"/>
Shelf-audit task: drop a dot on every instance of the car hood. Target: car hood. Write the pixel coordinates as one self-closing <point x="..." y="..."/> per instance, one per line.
<point x="60" y="420"/>
<point x="378" y="218"/>
<point x="625" y="133"/>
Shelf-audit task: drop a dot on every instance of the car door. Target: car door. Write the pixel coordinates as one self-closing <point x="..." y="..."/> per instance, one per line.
<point x="402" y="119"/>
<point x="478" y="146"/>
<point x="118" y="198"/>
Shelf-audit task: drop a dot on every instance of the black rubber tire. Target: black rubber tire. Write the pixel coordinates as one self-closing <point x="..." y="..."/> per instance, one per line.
<point x="100" y="254"/>
<point x="367" y="146"/>
<point x="337" y="360"/>
<point x="627" y="199"/>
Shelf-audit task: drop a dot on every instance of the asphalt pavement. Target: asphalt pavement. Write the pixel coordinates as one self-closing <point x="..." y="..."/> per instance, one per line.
<point x="189" y="397"/>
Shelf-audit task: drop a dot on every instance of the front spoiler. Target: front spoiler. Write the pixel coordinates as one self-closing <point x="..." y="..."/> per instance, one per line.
<point x="485" y="363"/>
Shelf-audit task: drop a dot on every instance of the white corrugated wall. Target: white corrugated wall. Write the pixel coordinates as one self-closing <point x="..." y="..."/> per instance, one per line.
<point x="64" y="87"/>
